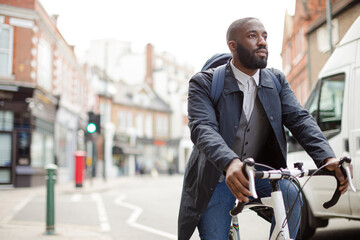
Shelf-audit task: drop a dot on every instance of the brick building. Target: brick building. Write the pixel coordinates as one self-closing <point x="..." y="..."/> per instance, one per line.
<point x="306" y="39"/>
<point x="43" y="96"/>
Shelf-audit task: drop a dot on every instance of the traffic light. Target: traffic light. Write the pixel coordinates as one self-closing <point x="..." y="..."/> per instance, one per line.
<point x="93" y="123"/>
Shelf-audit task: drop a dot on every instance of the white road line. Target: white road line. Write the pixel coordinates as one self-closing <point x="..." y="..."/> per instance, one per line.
<point x="136" y="214"/>
<point x="103" y="218"/>
<point x="18" y="208"/>
<point x="77" y="197"/>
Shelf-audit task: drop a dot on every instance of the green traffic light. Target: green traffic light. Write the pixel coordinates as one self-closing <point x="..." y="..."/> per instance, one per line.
<point x="91" y="127"/>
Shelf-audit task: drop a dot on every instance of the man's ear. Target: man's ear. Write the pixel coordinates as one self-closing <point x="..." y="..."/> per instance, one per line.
<point x="232" y="46"/>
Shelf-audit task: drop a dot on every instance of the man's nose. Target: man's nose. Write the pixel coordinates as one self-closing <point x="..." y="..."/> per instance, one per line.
<point x="262" y="41"/>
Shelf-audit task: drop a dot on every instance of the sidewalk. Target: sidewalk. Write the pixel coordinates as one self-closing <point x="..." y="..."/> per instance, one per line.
<point x="13" y="200"/>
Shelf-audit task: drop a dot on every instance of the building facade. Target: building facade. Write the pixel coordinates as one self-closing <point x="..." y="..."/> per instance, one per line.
<point x="43" y="95"/>
<point x="169" y="78"/>
<point x="142" y="141"/>
<point x="153" y="77"/>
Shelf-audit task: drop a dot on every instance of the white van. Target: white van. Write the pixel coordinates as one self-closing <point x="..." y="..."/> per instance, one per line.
<point x="335" y="105"/>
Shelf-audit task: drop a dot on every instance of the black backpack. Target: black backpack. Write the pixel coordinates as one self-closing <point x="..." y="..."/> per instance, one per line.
<point x="218" y="61"/>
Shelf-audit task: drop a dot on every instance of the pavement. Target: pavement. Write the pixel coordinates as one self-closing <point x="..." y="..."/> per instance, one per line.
<point x="13" y="200"/>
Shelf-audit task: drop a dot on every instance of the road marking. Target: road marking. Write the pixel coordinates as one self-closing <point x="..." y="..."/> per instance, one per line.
<point x="18" y="208"/>
<point x="103" y="218"/>
<point x="136" y="214"/>
<point x="77" y="197"/>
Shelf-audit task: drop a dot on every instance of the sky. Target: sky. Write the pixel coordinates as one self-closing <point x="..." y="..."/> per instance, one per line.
<point x="191" y="30"/>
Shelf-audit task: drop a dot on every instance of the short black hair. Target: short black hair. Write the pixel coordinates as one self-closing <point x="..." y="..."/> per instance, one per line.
<point x="230" y="34"/>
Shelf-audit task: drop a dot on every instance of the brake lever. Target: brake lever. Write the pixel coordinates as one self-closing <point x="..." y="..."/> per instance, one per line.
<point x="345" y="163"/>
<point x="248" y="171"/>
<point x="250" y="174"/>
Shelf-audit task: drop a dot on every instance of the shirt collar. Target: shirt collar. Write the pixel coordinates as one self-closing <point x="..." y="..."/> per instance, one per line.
<point x="243" y="77"/>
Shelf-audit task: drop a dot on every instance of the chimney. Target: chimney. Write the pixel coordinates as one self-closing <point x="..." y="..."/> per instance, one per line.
<point x="149" y="65"/>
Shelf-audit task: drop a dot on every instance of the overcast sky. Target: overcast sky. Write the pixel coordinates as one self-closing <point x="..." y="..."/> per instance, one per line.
<point x="191" y="30"/>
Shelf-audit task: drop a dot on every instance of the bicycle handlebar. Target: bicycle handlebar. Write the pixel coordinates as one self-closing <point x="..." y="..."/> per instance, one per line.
<point x="251" y="174"/>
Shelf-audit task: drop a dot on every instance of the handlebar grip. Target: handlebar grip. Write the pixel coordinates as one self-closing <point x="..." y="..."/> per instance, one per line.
<point x="335" y="198"/>
<point x="238" y="209"/>
<point x="344" y="162"/>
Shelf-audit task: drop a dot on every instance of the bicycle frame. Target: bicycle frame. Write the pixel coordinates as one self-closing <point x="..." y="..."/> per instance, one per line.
<point x="281" y="228"/>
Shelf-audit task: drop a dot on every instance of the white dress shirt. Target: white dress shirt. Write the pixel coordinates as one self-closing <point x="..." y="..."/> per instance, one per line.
<point x="248" y="85"/>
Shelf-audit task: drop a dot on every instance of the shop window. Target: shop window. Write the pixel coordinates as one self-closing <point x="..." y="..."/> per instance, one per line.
<point x="5" y="149"/>
<point x="42" y="144"/>
<point x="6" y="120"/>
<point x="5" y="158"/>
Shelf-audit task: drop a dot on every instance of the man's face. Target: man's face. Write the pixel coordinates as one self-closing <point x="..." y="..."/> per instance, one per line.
<point x="251" y="46"/>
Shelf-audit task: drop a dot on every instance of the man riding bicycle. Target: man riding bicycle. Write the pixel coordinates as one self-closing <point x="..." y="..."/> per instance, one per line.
<point x="247" y="121"/>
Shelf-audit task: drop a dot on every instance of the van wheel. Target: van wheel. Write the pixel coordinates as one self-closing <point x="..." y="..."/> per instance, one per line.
<point x="306" y="231"/>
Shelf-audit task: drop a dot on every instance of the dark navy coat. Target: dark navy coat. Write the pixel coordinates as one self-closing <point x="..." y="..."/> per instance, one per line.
<point x="213" y="131"/>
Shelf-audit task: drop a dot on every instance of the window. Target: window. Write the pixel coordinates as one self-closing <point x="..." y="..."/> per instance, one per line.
<point x="322" y="35"/>
<point x="122" y="121"/>
<point x="125" y="121"/>
<point x="149" y="126"/>
<point x="5" y="149"/>
<point x="161" y="125"/>
<point x="6" y="49"/>
<point x="287" y="59"/>
<point x="37" y="154"/>
<point x="5" y="158"/>
<point x="44" y="64"/>
<point x="139" y="125"/>
<point x="330" y="105"/>
<point x="6" y="120"/>
<point x="325" y="104"/>
<point x="42" y="149"/>
<point x="299" y="45"/>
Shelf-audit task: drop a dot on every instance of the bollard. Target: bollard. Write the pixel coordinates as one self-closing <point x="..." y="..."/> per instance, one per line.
<point x="50" y="199"/>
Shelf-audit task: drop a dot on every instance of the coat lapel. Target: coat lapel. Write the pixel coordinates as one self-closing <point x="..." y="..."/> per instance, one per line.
<point x="270" y="101"/>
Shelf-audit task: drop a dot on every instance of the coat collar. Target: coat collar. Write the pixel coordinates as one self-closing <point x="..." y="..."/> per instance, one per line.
<point x="231" y="84"/>
<point x="265" y="79"/>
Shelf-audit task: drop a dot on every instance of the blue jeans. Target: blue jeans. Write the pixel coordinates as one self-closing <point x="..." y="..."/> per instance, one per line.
<point x="215" y="221"/>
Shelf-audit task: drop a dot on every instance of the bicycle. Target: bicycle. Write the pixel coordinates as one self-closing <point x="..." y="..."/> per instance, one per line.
<point x="275" y="201"/>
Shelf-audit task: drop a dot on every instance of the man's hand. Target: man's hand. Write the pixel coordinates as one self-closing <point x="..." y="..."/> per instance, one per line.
<point x="236" y="180"/>
<point x="333" y="165"/>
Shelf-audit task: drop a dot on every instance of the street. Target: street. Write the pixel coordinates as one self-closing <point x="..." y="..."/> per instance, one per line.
<point x="141" y="207"/>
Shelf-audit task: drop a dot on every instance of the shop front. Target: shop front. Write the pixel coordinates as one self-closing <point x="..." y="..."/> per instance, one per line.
<point x="26" y="135"/>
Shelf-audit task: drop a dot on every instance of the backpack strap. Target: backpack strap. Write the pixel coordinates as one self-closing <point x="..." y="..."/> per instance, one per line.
<point x="218" y="80"/>
<point x="217" y="84"/>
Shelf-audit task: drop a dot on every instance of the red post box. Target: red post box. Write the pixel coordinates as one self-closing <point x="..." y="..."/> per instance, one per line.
<point x="79" y="167"/>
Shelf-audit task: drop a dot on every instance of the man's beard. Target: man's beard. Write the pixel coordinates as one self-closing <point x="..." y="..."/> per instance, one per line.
<point x="248" y="59"/>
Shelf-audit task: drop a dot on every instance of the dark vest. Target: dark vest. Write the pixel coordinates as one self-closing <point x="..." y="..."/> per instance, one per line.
<point x="252" y="135"/>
